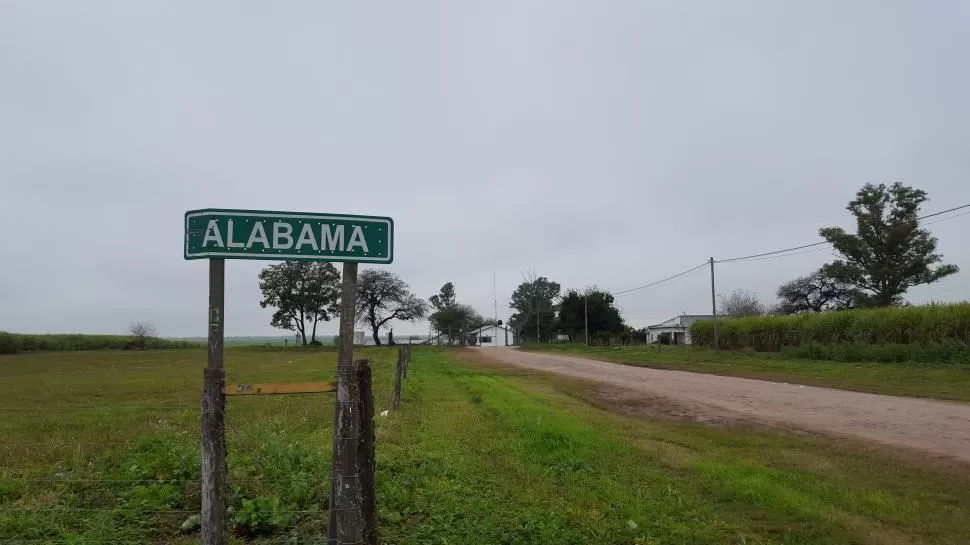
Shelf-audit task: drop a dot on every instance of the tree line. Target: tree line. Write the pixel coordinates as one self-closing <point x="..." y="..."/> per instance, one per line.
<point x="875" y="266"/>
<point x="305" y="293"/>
<point x="542" y="312"/>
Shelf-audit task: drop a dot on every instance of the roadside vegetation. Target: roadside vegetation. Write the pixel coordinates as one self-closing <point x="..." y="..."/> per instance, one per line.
<point x="103" y="447"/>
<point x="16" y="343"/>
<point x="937" y="333"/>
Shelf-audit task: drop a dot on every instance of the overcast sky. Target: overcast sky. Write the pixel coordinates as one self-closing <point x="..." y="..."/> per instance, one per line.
<point x="608" y="143"/>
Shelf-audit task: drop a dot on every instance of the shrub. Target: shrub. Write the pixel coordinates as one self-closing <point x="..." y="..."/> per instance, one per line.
<point x="953" y="353"/>
<point x="260" y="516"/>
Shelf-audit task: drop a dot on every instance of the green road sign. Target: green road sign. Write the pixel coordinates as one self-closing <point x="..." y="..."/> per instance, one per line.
<point x="263" y="234"/>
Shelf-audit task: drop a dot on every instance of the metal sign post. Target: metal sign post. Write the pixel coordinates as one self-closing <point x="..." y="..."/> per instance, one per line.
<point x="217" y="234"/>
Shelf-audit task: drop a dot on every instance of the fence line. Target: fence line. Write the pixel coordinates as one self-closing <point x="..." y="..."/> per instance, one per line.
<point x="79" y="472"/>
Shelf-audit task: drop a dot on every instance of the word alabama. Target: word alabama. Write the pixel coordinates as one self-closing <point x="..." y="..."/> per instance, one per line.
<point x="262" y="234"/>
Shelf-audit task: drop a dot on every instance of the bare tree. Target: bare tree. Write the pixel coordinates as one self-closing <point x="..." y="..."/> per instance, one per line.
<point x="742" y="303"/>
<point x="141" y="331"/>
<point x="381" y="297"/>
<point x="815" y="292"/>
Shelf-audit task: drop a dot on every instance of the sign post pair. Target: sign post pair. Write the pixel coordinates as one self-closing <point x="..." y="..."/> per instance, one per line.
<point x="220" y="234"/>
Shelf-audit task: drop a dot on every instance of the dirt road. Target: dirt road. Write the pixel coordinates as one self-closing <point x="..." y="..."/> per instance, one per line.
<point x="940" y="427"/>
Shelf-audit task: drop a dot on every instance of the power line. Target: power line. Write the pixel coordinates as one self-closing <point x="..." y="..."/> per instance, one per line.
<point x="962" y="206"/>
<point x="804" y="246"/>
<point x="752" y="256"/>
<point x="778" y="256"/>
<point x="658" y="282"/>
<point x="947" y="218"/>
<point x="782" y="253"/>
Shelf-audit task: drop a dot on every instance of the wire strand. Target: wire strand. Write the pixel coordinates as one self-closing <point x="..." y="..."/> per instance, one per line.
<point x="658" y="282"/>
<point x="778" y="256"/>
<point x="804" y="246"/>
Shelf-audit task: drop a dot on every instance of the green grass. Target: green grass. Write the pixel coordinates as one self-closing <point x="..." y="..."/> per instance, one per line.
<point x="476" y="455"/>
<point x="914" y="380"/>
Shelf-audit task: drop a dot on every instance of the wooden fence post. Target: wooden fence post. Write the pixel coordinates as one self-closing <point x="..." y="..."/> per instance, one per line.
<point x="213" y="415"/>
<point x="398" y="375"/>
<point x="345" y="527"/>
<point x="407" y="360"/>
<point x="366" y="455"/>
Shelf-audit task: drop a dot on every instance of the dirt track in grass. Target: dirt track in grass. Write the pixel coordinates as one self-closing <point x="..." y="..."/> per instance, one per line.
<point x="941" y="428"/>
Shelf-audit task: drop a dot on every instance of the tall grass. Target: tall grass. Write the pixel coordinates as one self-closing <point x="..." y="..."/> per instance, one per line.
<point x="15" y="343"/>
<point x="936" y="331"/>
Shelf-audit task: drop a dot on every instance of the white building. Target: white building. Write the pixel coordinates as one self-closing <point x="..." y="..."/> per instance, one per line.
<point x="678" y="327"/>
<point x="489" y="335"/>
<point x="494" y="335"/>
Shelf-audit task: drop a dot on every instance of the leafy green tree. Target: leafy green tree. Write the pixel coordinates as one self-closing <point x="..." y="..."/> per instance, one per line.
<point x="815" y="292"/>
<point x="604" y="318"/>
<point x="445" y="297"/>
<point x="381" y="297"/>
<point x="452" y="318"/>
<point x="534" y="300"/>
<point x="455" y="319"/>
<point x="301" y="292"/>
<point x="889" y="253"/>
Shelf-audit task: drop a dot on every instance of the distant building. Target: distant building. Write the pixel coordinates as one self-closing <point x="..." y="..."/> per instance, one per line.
<point x="489" y="335"/>
<point x="494" y="335"/>
<point x="678" y="327"/>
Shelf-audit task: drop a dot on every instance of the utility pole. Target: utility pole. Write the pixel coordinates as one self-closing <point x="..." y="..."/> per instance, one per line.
<point x="713" y="305"/>
<point x="586" y="315"/>
<point x="495" y="301"/>
<point x="537" y="313"/>
<point x="538" y="337"/>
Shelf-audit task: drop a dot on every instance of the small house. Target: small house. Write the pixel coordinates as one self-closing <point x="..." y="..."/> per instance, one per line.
<point x="493" y="335"/>
<point x="489" y="335"/>
<point x="678" y="328"/>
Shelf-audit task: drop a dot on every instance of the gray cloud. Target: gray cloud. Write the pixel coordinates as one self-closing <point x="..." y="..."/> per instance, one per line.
<point x="607" y="143"/>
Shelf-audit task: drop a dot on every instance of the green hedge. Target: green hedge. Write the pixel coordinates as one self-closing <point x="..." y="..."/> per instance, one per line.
<point x="15" y="343"/>
<point x="935" y="324"/>
<point x="888" y="353"/>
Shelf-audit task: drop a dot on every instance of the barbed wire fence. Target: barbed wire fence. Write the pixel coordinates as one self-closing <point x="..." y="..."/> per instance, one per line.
<point x="103" y="488"/>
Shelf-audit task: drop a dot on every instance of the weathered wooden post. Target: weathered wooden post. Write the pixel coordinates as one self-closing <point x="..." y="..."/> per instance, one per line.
<point x="407" y="360"/>
<point x="366" y="455"/>
<point x="213" y="415"/>
<point x="398" y="375"/>
<point x="345" y="523"/>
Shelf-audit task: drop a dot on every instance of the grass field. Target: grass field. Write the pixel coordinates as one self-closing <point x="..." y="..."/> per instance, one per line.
<point x="102" y="447"/>
<point x="944" y="381"/>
